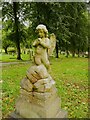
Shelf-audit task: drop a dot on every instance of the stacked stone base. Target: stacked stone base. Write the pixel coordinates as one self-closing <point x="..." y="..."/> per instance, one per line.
<point x="38" y="99"/>
<point x="60" y="114"/>
<point x="39" y="105"/>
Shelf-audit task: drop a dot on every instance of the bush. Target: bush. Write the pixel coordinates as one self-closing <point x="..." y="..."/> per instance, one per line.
<point x="11" y="51"/>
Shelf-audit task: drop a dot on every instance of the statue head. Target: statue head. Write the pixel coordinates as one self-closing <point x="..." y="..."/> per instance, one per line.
<point x="41" y="29"/>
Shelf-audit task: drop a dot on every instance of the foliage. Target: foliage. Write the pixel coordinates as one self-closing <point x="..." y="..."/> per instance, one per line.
<point x="89" y="28"/>
<point x="13" y="12"/>
<point x="68" y="20"/>
<point x="6" y="42"/>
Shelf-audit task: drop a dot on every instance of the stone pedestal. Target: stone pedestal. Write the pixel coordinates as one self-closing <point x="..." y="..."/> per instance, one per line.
<point x="38" y="99"/>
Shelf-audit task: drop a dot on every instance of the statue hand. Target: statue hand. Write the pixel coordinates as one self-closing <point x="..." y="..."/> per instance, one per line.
<point x="39" y="39"/>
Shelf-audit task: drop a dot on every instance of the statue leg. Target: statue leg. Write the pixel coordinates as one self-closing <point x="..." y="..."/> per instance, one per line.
<point x="37" y="59"/>
<point x="46" y="62"/>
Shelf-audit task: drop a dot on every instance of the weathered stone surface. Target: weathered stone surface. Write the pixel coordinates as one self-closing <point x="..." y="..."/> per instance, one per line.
<point x="42" y="71"/>
<point x="40" y="88"/>
<point x="49" y="85"/>
<point x="42" y="102"/>
<point x="53" y="108"/>
<point x="42" y="96"/>
<point x="53" y="44"/>
<point x="61" y="114"/>
<point x="39" y="113"/>
<point x="24" y="109"/>
<point x="33" y="109"/>
<point x="16" y="116"/>
<point x="32" y="78"/>
<point x="44" y="85"/>
<point x="26" y="84"/>
<point x="46" y="95"/>
<point x="42" y="81"/>
<point x="38" y="104"/>
<point x="26" y="95"/>
<point x="37" y="72"/>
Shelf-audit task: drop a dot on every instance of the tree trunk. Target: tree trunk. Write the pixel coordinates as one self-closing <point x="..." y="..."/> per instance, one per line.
<point x="78" y="52"/>
<point x="88" y="52"/>
<point x="73" y="53"/>
<point x="17" y="37"/>
<point x="82" y="53"/>
<point x="57" y="50"/>
<point x="6" y="50"/>
<point x="18" y="51"/>
<point x="67" y="53"/>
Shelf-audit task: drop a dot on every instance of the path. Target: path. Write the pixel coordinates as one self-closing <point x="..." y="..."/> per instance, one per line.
<point x="11" y="63"/>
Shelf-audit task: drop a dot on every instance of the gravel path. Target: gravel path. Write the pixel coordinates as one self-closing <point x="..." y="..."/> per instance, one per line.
<point x="11" y="63"/>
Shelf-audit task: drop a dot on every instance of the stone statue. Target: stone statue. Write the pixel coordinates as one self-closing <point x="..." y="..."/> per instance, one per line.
<point x="38" y="94"/>
<point x="42" y="44"/>
<point x="52" y="44"/>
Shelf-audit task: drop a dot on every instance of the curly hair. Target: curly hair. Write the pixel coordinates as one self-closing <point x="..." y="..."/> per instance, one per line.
<point x="43" y="27"/>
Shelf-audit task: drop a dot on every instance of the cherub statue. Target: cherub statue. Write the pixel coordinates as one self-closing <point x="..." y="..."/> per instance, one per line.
<point x="38" y="90"/>
<point x="42" y="44"/>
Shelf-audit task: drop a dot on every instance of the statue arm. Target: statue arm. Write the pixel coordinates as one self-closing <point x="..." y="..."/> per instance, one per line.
<point x="35" y="43"/>
<point x="46" y="43"/>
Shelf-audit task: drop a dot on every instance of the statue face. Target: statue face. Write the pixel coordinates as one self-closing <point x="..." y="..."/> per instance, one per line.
<point x="41" y="33"/>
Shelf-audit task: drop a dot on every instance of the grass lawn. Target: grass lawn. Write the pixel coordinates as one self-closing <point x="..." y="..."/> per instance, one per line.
<point x="71" y="76"/>
<point x="12" y="58"/>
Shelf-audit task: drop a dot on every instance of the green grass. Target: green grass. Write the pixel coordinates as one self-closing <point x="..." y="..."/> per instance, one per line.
<point x="11" y="58"/>
<point x="71" y="76"/>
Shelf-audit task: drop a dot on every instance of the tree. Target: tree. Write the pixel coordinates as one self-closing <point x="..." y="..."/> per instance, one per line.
<point x="12" y="13"/>
<point x="66" y="20"/>
<point x="88" y="7"/>
<point x="16" y="28"/>
<point x="6" y="40"/>
<point x="6" y="43"/>
<point x="78" y="26"/>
